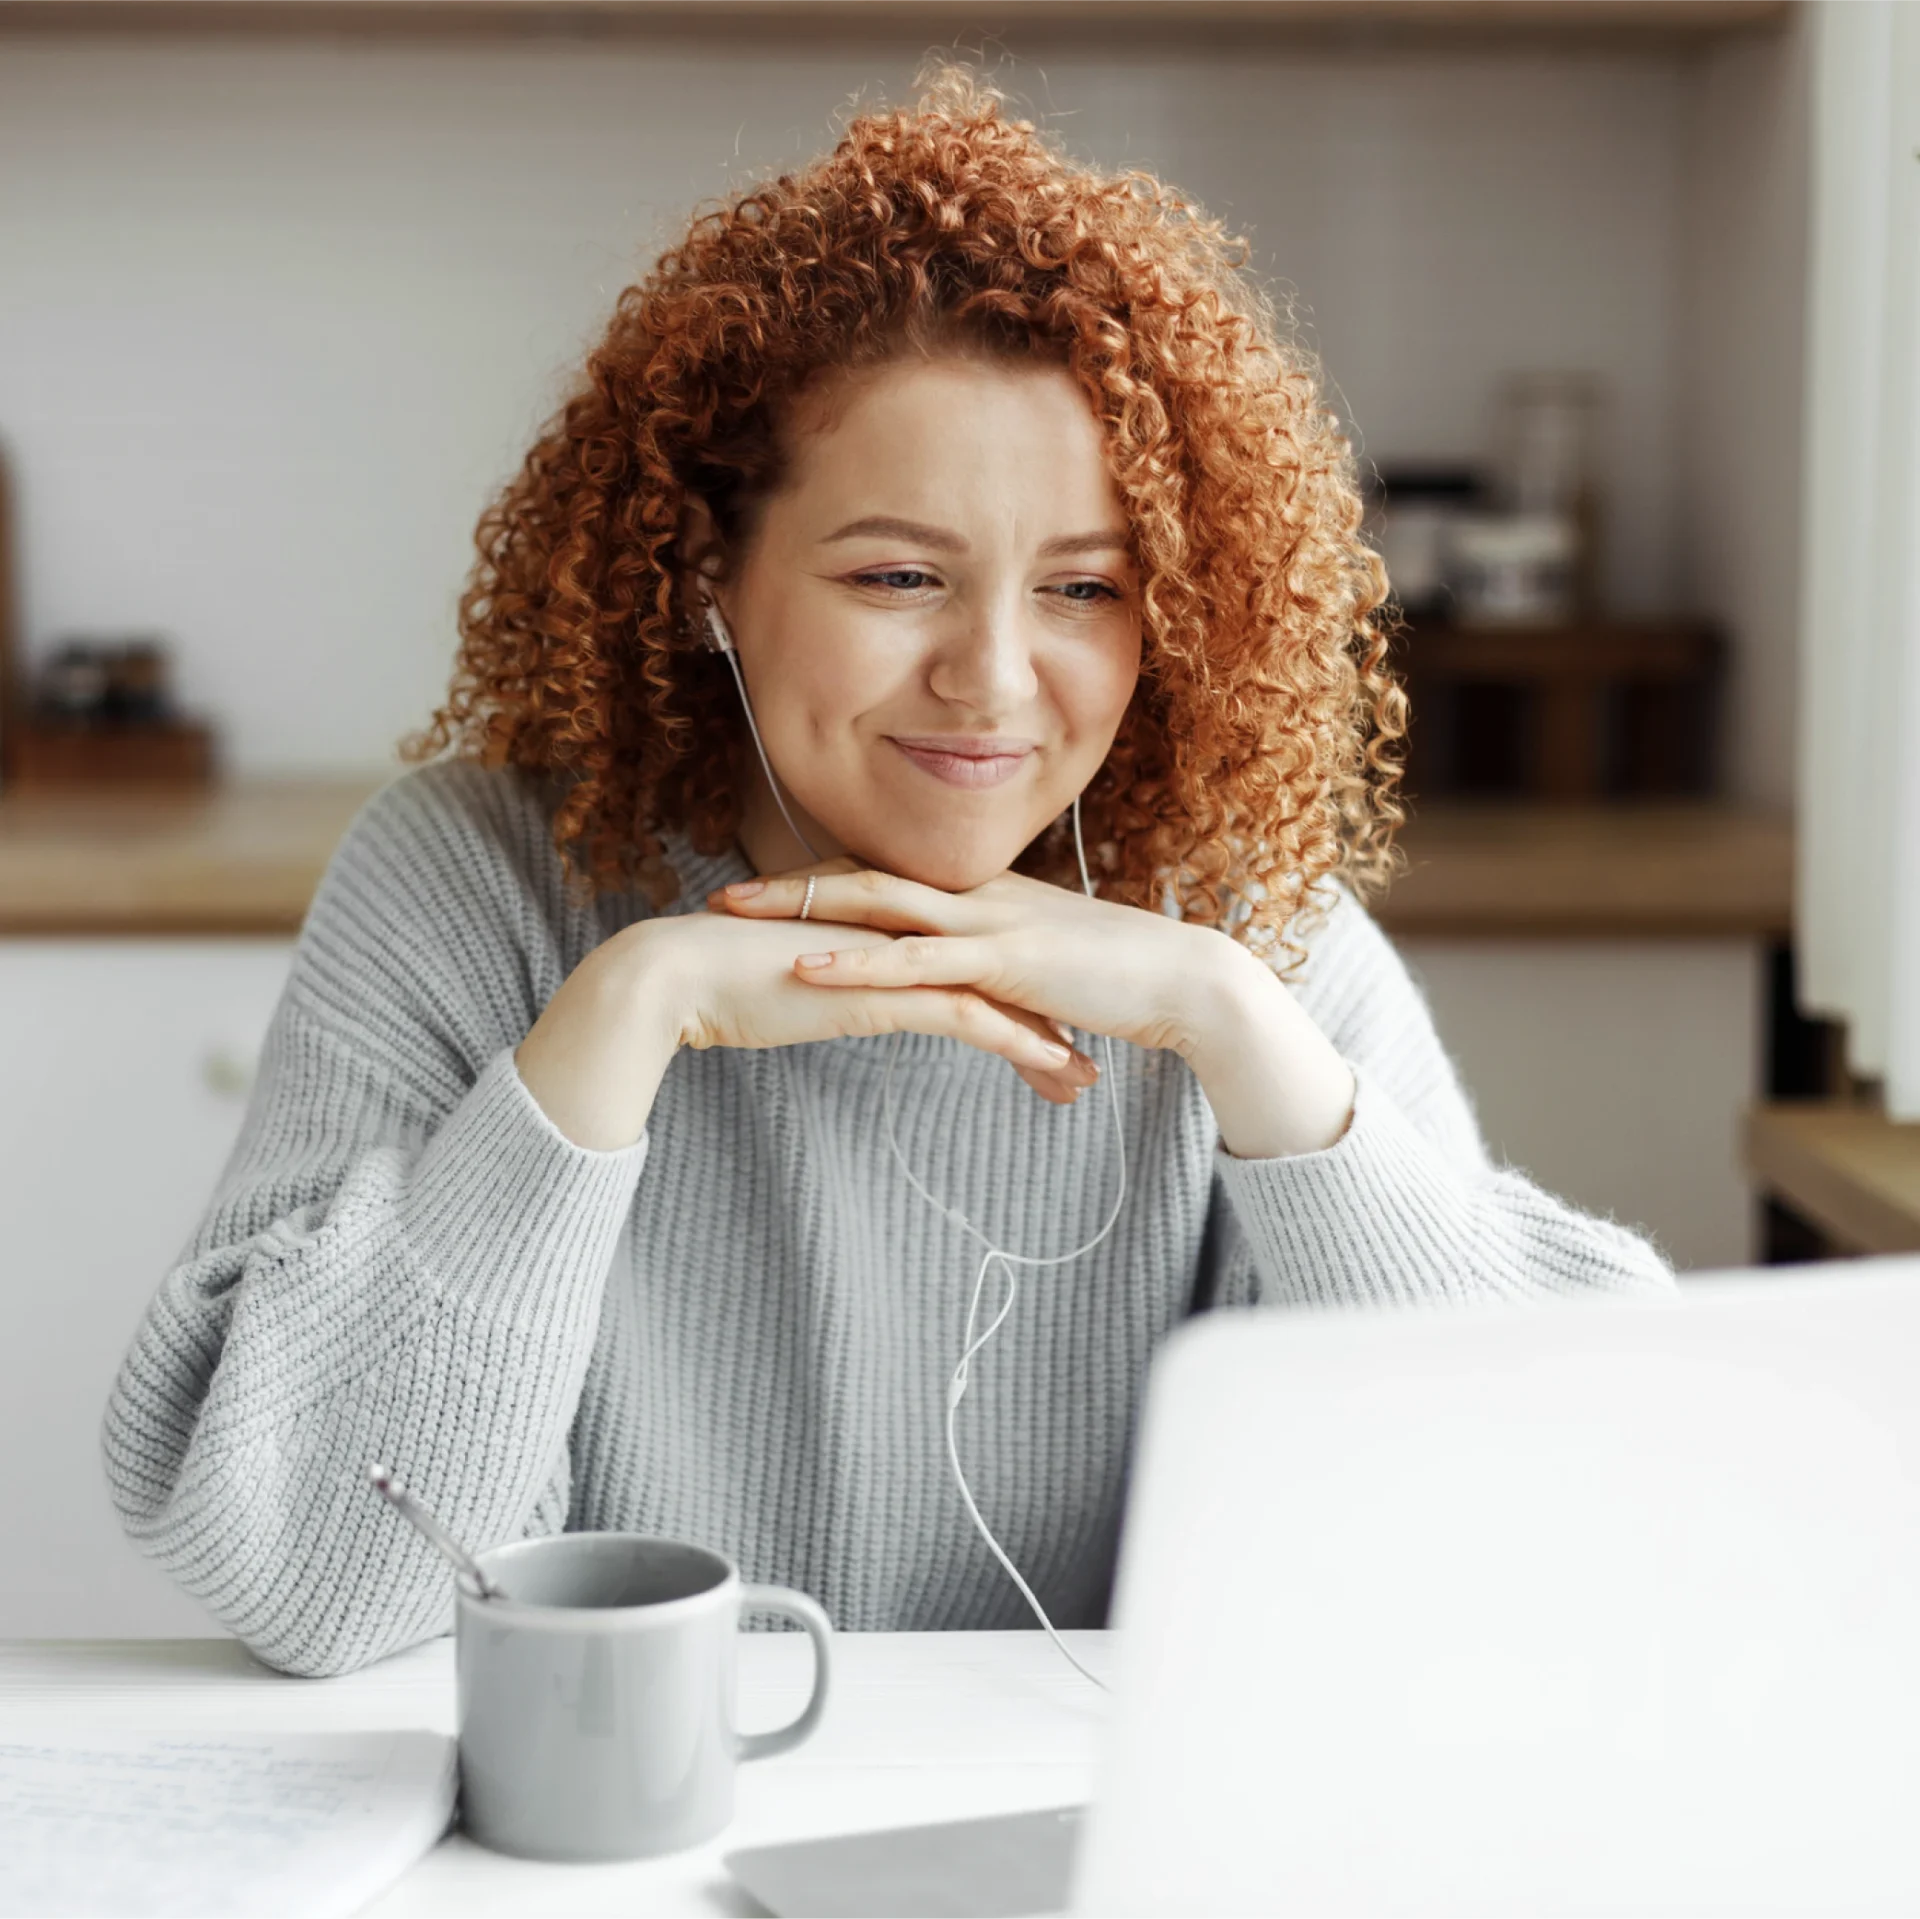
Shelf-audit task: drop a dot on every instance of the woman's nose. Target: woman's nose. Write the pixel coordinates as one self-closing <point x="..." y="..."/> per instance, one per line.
<point x="985" y="659"/>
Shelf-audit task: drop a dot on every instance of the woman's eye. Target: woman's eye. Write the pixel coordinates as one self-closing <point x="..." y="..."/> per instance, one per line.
<point x="1088" y="592"/>
<point x="906" y="579"/>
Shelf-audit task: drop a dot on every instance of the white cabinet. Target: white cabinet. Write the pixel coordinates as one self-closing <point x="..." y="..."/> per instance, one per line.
<point x="124" y="1067"/>
<point x="1615" y="1072"/>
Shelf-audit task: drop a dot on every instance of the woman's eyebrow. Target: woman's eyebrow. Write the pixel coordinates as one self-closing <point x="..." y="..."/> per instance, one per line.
<point x="885" y="526"/>
<point x="1106" y="540"/>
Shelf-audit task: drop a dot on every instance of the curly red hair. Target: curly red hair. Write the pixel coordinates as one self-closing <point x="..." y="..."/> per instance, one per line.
<point x="1259" y="750"/>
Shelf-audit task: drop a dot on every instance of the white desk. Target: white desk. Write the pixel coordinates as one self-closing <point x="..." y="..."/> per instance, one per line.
<point x="919" y="1726"/>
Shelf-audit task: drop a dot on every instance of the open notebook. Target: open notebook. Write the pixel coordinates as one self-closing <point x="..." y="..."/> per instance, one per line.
<point x="301" y="1825"/>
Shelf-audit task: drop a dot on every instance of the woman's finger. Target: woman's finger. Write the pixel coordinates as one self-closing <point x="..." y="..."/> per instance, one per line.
<point x="911" y="960"/>
<point x="790" y="886"/>
<point x="1074" y="1073"/>
<point x="903" y="964"/>
<point x="930" y="961"/>
<point x="1050" y="1089"/>
<point x="965" y="1016"/>
<point x="855" y="896"/>
<point x="991" y="1027"/>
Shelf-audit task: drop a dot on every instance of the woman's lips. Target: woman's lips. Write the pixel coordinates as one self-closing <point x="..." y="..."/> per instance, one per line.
<point x="958" y="770"/>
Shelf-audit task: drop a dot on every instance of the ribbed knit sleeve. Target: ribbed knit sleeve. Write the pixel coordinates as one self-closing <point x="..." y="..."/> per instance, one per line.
<point x="403" y="1261"/>
<point x="1407" y="1208"/>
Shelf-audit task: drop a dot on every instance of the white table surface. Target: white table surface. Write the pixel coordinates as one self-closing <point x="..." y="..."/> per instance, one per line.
<point x="919" y="1726"/>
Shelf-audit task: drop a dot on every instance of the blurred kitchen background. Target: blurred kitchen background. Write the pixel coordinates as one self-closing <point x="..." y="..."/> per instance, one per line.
<point x="286" y="288"/>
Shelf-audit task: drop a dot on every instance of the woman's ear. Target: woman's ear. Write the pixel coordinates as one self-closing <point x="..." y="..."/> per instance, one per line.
<point x="704" y="561"/>
<point x="700" y="549"/>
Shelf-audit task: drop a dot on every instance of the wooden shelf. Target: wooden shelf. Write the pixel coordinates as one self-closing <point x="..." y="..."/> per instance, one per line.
<point x="1592" y="650"/>
<point x="234" y="858"/>
<point x="178" y="753"/>
<point x="1349" y="22"/>
<point x="1592" y="710"/>
<point x="1849" y="1169"/>
<point x="1652" y="870"/>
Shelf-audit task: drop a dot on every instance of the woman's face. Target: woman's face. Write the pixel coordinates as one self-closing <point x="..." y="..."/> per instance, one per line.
<point x="946" y="564"/>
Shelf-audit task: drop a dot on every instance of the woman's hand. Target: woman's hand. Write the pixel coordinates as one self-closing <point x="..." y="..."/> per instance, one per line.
<point x="1276" y="1085"/>
<point x="733" y="981"/>
<point x="1037" y="951"/>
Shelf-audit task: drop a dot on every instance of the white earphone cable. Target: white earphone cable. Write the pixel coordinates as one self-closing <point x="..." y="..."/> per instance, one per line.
<point x="961" y="1377"/>
<point x="772" y="783"/>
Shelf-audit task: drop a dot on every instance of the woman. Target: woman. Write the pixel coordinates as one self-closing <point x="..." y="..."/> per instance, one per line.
<point x="567" y="1185"/>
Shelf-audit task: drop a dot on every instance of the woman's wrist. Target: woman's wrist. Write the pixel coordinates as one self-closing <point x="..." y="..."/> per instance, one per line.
<point x="594" y="1059"/>
<point x="1276" y="1085"/>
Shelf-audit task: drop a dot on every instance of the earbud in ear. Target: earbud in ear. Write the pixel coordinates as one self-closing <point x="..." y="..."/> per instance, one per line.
<point x="718" y="637"/>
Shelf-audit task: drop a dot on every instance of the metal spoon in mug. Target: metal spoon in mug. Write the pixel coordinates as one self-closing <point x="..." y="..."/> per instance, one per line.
<point x="449" y="1548"/>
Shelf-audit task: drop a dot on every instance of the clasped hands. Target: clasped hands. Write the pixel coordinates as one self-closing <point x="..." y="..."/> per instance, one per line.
<point x="1045" y="953"/>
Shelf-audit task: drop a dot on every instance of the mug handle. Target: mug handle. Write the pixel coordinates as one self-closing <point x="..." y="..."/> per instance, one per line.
<point x="797" y="1606"/>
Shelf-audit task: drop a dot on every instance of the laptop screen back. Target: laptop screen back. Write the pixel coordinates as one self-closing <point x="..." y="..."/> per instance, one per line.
<point x="1594" y="1606"/>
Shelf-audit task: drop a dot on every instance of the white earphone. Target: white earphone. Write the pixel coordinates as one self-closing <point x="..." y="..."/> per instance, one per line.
<point x="719" y="640"/>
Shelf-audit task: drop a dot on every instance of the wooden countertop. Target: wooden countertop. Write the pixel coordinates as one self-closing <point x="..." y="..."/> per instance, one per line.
<point x="1849" y="1169"/>
<point x="243" y="858"/>
<point x="1642" y="870"/>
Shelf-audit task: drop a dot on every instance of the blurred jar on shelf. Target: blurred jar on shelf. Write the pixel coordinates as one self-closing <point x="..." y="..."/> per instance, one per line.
<point x="1513" y="569"/>
<point x="1547" y="443"/>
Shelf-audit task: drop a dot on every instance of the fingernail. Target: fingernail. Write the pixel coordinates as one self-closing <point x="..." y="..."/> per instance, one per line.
<point x="1059" y="1055"/>
<point x="815" y="959"/>
<point x="745" y="889"/>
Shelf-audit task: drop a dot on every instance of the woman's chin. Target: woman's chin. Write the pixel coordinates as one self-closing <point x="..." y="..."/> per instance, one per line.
<point x="953" y="863"/>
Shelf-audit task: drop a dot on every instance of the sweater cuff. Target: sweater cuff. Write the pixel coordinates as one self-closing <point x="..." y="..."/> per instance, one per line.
<point x="1379" y="1218"/>
<point x="501" y="1200"/>
<point x="498" y="1221"/>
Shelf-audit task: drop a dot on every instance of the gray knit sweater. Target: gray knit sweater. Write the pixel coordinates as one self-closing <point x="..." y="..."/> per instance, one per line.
<point x="737" y="1330"/>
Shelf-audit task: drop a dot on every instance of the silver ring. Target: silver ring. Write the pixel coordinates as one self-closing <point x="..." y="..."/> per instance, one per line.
<point x="806" y="905"/>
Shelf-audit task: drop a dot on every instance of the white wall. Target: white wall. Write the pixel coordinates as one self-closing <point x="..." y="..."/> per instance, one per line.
<point x="275" y="316"/>
<point x="1743" y="314"/>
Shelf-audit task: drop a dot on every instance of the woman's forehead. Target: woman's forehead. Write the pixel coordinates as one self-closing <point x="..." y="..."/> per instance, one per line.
<point x="918" y="435"/>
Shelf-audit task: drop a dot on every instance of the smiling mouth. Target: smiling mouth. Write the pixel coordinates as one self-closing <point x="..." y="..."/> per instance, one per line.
<point x="966" y="770"/>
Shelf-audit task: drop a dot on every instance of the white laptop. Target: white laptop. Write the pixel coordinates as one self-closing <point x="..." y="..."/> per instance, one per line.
<point x="1593" y="1607"/>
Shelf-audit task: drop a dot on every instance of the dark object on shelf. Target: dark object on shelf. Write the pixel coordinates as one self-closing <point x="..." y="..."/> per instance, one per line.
<point x="87" y="682"/>
<point x="1405" y="481"/>
<point x="101" y="713"/>
<point x="1585" y="711"/>
<point x="138" y="689"/>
